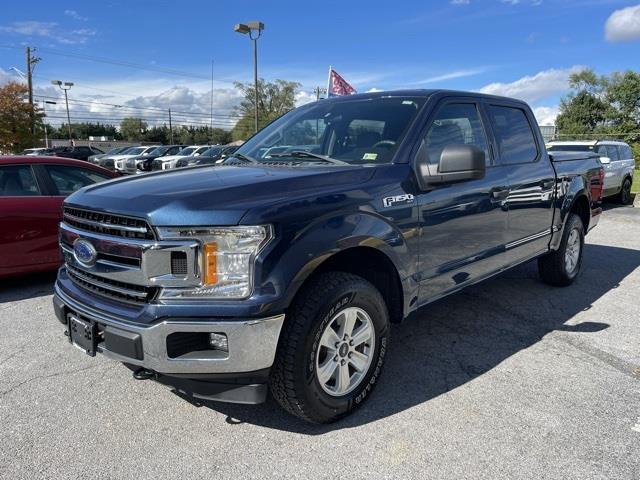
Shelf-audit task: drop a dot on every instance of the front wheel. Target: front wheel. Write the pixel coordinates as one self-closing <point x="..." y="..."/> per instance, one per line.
<point x="561" y="267"/>
<point x="331" y="349"/>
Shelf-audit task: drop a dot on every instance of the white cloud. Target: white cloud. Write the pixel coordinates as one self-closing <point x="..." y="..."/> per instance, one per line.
<point x="531" y="88"/>
<point x="623" y="25"/>
<point x="546" y="115"/>
<point x="303" y="97"/>
<point x="49" y="30"/>
<point x="451" y="76"/>
<point x="374" y="89"/>
<point x="75" y="15"/>
<point x="460" y="2"/>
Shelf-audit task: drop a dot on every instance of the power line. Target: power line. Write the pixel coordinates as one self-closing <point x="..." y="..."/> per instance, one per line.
<point x="121" y="63"/>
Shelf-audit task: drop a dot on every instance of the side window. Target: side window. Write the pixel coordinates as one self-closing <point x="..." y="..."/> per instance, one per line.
<point x="69" y="179"/>
<point x="625" y="152"/>
<point x="516" y="141"/>
<point x="612" y="153"/>
<point x="18" y="181"/>
<point x="455" y="124"/>
<point x="602" y="151"/>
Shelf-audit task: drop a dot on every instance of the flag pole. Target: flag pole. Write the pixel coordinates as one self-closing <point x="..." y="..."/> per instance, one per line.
<point x="329" y="81"/>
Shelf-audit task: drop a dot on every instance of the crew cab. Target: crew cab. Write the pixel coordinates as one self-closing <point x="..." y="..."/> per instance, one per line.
<point x="616" y="158"/>
<point x="284" y="268"/>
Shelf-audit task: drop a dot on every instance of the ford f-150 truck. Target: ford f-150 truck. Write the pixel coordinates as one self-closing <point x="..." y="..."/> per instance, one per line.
<point x="284" y="267"/>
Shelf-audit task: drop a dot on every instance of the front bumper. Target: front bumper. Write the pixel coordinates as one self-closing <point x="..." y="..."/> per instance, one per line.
<point x="252" y="342"/>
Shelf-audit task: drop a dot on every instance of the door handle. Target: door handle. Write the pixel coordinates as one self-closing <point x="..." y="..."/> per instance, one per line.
<point x="500" y="194"/>
<point x="547" y="184"/>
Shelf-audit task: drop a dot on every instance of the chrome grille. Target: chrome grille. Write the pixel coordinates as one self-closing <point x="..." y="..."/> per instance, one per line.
<point x="108" y="224"/>
<point x="121" y="291"/>
<point x="156" y="164"/>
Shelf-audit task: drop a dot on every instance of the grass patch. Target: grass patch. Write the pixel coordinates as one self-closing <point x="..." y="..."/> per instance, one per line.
<point x="635" y="188"/>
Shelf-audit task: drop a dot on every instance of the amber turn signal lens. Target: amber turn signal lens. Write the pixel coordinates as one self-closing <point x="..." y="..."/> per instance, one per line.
<point x="210" y="263"/>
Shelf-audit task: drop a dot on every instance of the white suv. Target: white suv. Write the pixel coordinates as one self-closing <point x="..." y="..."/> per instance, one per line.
<point x="616" y="158"/>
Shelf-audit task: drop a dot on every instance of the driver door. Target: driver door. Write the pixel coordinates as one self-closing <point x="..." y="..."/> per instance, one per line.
<point x="464" y="224"/>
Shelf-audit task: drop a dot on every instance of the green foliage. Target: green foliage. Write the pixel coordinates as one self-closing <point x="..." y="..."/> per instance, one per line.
<point x="132" y="128"/>
<point x="16" y="116"/>
<point x="605" y="107"/>
<point x="274" y="99"/>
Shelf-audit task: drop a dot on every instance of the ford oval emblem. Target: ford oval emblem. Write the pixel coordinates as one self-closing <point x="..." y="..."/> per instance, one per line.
<point x="84" y="252"/>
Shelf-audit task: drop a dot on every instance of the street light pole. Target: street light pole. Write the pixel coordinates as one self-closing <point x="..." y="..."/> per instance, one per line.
<point x="250" y="28"/>
<point x="44" y="112"/>
<point x="65" y="86"/>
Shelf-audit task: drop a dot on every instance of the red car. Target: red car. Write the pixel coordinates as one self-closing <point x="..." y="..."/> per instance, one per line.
<point x="32" y="190"/>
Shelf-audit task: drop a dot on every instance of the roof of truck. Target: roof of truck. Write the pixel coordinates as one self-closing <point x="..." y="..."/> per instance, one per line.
<point x="586" y="142"/>
<point x="420" y="93"/>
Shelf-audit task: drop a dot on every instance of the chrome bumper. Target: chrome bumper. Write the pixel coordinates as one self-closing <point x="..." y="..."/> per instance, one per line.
<point x="252" y="342"/>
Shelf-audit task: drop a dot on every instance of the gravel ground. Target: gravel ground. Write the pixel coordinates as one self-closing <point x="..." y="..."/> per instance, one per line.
<point x="508" y="379"/>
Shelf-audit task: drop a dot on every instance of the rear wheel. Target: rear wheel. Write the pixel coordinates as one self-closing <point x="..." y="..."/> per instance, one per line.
<point x="561" y="267"/>
<point x="331" y="349"/>
<point x="624" y="197"/>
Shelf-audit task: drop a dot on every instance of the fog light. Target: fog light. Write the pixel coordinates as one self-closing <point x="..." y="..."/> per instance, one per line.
<point x="218" y="341"/>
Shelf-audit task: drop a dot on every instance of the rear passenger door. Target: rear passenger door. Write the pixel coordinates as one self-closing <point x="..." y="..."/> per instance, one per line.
<point x="613" y="172"/>
<point x="531" y="179"/>
<point x="464" y="224"/>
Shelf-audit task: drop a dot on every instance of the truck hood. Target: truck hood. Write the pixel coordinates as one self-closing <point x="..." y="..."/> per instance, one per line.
<point x="212" y="195"/>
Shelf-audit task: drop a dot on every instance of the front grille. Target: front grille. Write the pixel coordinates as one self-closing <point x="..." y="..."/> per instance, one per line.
<point x="122" y="291"/>
<point x="108" y="224"/>
<point x="156" y="165"/>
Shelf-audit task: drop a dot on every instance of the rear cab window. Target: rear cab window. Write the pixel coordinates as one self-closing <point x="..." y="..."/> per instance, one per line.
<point x="514" y="135"/>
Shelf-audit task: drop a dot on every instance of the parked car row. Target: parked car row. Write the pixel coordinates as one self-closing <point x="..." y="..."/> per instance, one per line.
<point x="78" y="152"/>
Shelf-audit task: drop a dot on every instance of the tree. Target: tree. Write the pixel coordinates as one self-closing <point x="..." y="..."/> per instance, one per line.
<point x="274" y="99"/>
<point x="132" y="128"/>
<point x="15" y="118"/>
<point x="606" y="106"/>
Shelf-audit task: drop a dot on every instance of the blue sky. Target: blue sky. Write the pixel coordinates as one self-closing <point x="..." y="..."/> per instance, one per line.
<point x="522" y="48"/>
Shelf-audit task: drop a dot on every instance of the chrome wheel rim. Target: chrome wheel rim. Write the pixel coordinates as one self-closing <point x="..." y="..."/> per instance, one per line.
<point x="345" y="351"/>
<point x="572" y="252"/>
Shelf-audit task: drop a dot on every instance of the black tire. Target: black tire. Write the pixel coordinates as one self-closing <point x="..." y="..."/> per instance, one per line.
<point x="294" y="382"/>
<point x="553" y="266"/>
<point x="624" y="197"/>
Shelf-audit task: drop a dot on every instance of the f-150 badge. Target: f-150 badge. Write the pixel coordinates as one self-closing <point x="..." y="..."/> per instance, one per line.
<point x="397" y="199"/>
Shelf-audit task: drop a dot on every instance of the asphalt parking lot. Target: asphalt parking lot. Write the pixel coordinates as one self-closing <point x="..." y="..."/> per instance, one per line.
<point x="509" y="379"/>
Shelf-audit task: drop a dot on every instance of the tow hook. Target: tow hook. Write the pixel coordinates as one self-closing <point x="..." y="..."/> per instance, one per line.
<point x="144" y="374"/>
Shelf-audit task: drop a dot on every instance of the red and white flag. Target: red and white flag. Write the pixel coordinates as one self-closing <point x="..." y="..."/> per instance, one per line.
<point x="338" y="86"/>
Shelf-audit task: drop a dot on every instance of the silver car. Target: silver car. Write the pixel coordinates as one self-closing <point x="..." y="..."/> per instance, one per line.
<point x="616" y="158"/>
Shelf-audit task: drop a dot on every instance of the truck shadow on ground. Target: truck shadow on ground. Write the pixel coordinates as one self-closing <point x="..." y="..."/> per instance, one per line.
<point x="27" y="286"/>
<point x="453" y="341"/>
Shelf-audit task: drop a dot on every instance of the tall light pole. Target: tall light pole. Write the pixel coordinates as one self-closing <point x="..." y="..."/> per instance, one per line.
<point x="254" y="29"/>
<point x="44" y="111"/>
<point x="65" y="86"/>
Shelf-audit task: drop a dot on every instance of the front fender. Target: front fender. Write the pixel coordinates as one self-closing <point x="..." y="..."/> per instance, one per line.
<point x="300" y="253"/>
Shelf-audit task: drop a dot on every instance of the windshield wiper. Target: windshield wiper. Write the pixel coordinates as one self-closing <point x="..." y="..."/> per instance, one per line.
<point x="241" y="156"/>
<point x="303" y="153"/>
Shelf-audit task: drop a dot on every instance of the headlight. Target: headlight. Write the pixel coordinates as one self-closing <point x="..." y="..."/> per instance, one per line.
<point x="227" y="260"/>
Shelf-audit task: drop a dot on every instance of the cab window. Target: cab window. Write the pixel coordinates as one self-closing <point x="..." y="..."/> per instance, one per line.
<point x="455" y="124"/>
<point x="516" y="141"/>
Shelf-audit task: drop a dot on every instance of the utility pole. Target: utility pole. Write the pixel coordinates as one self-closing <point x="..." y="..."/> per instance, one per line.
<point x="211" y="119"/>
<point x="31" y="62"/>
<point x="170" y="128"/>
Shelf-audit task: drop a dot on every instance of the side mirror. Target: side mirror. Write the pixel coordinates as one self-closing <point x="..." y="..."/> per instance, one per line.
<point x="458" y="163"/>
<point x="605" y="160"/>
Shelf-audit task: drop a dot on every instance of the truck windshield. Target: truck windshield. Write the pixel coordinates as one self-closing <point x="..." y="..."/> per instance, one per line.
<point x="354" y="131"/>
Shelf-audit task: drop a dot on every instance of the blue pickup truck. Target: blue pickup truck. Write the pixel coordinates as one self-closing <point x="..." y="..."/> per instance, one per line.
<point x="282" y="268"/>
